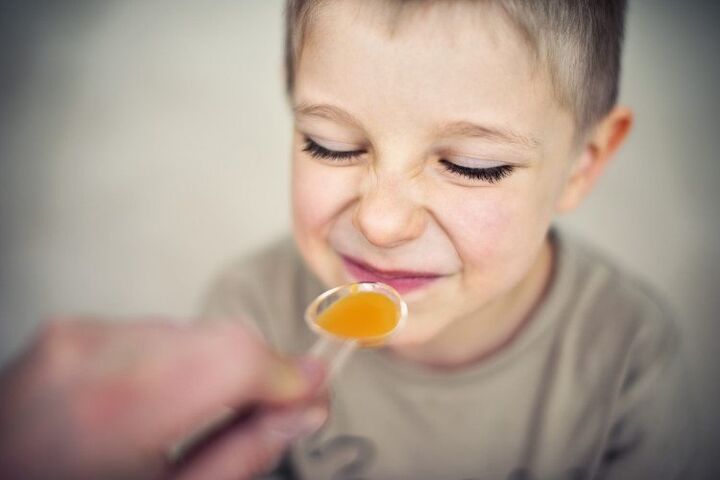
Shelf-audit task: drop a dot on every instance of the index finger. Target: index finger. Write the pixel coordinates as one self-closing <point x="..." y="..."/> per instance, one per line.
<point x="184" y="376"/>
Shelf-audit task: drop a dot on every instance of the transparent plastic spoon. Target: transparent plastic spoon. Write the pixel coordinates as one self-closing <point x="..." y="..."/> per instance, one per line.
<point x="336" y="349"/>
<point x="330" y="347"/>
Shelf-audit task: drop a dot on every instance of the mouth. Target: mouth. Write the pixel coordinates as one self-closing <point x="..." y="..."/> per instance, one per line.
<point x="401" y="280"/>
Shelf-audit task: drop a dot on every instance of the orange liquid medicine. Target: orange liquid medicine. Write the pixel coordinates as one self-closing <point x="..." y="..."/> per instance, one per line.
<point x="363" y="316"/>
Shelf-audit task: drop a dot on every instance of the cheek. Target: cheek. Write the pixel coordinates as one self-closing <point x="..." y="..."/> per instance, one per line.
<point x="497" y="234"/>
<point x="319" y="194"/>
<point x="478" y="224"/>
<point x="482" y="232"/>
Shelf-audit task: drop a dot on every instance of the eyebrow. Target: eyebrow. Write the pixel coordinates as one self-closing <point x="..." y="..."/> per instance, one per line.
<point x="326" y="111"/>
<point x="499" y="134"/>
<point x="454" y="129"/>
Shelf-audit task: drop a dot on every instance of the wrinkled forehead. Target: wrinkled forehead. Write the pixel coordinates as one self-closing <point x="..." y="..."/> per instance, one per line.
<point x="427" y="61"/>
<point x="447" y="21"/>
<point x="474" y="38"/>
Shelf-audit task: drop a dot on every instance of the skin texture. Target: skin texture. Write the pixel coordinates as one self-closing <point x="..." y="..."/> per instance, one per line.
<point x="100" y="400"/>
<point x="395" y="92"/>
<point x="94" y="399"/>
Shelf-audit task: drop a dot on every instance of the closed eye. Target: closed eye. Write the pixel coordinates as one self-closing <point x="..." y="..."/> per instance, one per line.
<point x="318" y="151"/>
<point x="489" y="174"/>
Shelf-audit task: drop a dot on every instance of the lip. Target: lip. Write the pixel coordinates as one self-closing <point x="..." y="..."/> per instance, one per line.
<point x="401" y="280"/>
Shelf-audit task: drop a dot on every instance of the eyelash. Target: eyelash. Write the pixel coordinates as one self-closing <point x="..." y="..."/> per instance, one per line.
<point x="318" y="151"/>
<point x="490" y="175"/>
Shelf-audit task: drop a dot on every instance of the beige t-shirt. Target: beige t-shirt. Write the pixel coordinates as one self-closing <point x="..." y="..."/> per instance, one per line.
<point x="591" y="388"/>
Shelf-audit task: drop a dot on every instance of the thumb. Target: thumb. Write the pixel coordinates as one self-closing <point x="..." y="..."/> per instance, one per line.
<point x="253" y="446"/>
<point x="247" y="371"/>
<point x="288" y="381"/>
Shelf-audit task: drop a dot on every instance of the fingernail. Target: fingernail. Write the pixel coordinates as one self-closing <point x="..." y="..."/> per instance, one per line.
<point x="313" y="370"/>
<point x="296" y="423"/>
<point x="312" y="420"/>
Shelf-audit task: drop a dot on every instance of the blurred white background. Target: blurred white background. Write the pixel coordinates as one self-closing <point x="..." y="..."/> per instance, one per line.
<point x="144" y="143"/>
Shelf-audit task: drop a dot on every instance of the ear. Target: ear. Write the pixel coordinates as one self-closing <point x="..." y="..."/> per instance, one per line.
<point x="594" y="156"/>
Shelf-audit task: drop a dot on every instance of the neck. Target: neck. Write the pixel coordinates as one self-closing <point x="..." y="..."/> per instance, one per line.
<point x="477" y="337"/>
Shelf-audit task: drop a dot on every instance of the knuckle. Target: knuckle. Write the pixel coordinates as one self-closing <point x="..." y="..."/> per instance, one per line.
<point x="56" y="343"/>
<point x="248" y="351"/>
<point x="240" y="339"/>
<point x="54" y="333"/>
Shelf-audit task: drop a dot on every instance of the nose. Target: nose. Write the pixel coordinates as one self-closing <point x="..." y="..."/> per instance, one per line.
<point x="387" y="214"/>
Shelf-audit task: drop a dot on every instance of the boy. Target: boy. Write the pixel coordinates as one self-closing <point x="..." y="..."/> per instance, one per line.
<point x="434" y="143"/>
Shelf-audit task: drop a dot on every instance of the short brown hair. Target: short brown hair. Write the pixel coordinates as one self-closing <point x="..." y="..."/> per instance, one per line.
<point x="580" y="41"/>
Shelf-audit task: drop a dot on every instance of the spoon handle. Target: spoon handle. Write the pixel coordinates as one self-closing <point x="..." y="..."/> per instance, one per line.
<point x="334" y="352"/>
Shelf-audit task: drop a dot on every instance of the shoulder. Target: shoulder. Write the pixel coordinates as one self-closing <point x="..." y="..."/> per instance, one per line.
<point x="250" y="278"/>
<point x="614" y="316"/>
<point x="267" y="288"/>
<point x="627" y="358"/>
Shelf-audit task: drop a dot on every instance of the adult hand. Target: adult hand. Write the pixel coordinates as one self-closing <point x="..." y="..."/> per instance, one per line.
<point x="94" y="399"/>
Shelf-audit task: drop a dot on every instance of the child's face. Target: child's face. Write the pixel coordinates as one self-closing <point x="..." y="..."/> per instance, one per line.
<point x="450" y="93"/>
